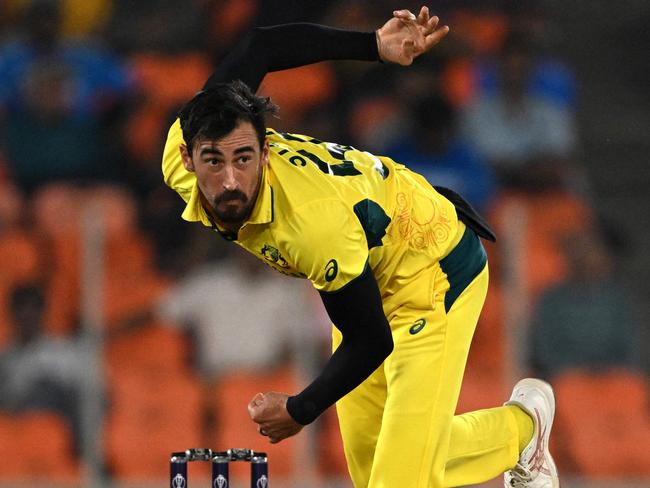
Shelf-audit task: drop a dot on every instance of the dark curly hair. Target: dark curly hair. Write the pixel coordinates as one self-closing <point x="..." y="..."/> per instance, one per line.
<point x="216" y="111"/>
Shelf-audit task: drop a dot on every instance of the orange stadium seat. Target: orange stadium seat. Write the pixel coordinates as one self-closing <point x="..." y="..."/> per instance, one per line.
<point x="131" y="295"/>
<point x="23" y="258"/>
<point x="229" y="18"/>
<point x="11" y="202"/>
<point x="37" y="446"/>
<point x="152" y="347"/>
<point x="155" y="400"/>
<point x="153" y="413"/>
<point x="299" y="89"/>
<point x="131" y="282"/>
<point x="483" y="31"/>
<point x="459" y="81"/>
<point x="22" y="263"/>
<point x="162" y="94"/>
<point x="228" y="401"/>
<point x="550" y="218"/>
<point x="603" y="422"/>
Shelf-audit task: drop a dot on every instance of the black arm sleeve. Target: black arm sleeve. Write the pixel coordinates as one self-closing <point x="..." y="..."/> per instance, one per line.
<point x="280" y="47"/>
<point x="357" y="312"/>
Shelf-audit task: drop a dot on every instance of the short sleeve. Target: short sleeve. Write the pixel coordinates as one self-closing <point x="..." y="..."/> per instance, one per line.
<point x="175" y="175"/>
<point x="326" y="242"/>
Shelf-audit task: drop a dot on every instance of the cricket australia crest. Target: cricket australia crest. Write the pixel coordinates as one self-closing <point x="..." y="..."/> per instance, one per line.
<point x="272" y="254"/>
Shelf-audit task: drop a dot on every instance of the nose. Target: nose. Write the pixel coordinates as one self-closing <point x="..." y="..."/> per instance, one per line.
<point x="229" y="181"/>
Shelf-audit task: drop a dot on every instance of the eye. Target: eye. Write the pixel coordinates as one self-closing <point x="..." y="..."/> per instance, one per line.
<point x="244" y="159"/>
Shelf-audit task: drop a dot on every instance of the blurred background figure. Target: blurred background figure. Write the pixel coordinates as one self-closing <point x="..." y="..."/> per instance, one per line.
<point x="39" y="372"/>
<point x="435" y="150"/>
<point x="589" y="319"/>
<point x="62" y="98"/>
<point x="524" y="134"/>
<point x="240" y="315"/>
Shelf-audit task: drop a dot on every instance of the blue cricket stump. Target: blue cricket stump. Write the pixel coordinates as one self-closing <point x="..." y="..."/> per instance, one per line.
<point x="220" y="466"/>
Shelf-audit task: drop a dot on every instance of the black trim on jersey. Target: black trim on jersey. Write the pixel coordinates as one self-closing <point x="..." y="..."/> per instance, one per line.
<point x="272" y="204"/>
<point x="357" y="312"/>
<point x="267" y="49"/>
<point x="467" y="214"/>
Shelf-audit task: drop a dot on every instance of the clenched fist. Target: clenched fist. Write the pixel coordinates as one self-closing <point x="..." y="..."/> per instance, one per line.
<point x="269" y="411"/>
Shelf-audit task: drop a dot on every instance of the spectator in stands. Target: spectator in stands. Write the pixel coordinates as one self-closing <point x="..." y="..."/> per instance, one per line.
<point x="588" y="320"/>
<point x="237" y="305"/>
<point x="62" y="95"/>
<point x="435" y="150"/>
<point x="526" y="137"/>
<point x="38" y="372"/>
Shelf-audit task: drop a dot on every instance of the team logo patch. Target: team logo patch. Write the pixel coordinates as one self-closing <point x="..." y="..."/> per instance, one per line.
<point x="178" y="481"/>
<point x="417" y="326"/>
<point x="331" y="270"/>
<point x="270" y="253"/>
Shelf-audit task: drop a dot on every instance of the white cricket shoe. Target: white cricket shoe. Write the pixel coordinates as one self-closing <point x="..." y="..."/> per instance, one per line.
<point x="535" y="468"/>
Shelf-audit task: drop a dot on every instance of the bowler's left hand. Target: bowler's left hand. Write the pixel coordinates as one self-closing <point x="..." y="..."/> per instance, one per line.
<point x="269" y="411"/>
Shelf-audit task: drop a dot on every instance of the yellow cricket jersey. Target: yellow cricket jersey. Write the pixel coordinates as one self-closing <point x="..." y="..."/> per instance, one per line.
<point x="325" y="210"/>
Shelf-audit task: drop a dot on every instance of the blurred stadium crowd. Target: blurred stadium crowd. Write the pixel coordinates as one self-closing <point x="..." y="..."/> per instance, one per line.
<point x="191" y="327"/>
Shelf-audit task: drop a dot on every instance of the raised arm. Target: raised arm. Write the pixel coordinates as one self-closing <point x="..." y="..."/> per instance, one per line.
<point x="265" y="49"/>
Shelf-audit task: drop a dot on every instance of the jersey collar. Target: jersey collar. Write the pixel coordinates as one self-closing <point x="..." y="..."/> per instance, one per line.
<point x="263" y="212"/>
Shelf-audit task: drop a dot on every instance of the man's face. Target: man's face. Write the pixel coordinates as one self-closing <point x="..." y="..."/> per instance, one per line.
<point x="228" y="172"/>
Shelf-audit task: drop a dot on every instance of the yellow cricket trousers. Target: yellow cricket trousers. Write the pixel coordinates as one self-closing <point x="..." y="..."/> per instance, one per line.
<point x="398" y="426"/>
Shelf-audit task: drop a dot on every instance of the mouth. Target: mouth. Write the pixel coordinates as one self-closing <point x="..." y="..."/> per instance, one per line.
<point x="231" y="198"/>
<point x="231" y="207"/>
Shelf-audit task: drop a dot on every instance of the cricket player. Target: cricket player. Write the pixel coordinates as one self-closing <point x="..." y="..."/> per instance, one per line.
<point x="398" y="263"/>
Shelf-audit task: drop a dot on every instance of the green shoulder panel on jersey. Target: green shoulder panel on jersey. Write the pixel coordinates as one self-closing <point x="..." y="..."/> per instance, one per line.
<point x="373" y="220"/>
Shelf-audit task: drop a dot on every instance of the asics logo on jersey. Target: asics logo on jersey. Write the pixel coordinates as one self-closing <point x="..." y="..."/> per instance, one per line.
<point x="417" y="326"/>
<point x="331" y="270"/>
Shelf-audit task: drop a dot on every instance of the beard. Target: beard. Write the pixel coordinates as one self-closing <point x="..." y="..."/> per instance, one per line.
<point x="232" y="214"/>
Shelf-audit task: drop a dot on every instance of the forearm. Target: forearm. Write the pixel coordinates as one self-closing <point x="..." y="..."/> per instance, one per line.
<point x="268" y="49"/>
<point x="348" y="367"/>
<point x="367" y="340"/>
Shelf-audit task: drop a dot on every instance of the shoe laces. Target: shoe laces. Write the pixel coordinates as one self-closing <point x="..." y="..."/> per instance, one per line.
<point x="520" y="476"/>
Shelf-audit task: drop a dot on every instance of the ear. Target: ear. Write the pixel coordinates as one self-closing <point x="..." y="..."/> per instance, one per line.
<point x="187" y="158"/>
<point x="265" y="153"/>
